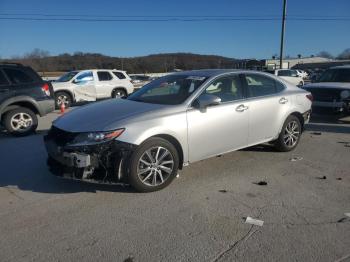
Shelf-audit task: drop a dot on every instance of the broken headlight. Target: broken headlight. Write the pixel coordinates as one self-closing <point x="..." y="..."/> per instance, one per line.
<point x="96" y="137"/>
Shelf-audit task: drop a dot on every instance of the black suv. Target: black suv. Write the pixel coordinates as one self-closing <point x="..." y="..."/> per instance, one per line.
<point x="23" y="96"/>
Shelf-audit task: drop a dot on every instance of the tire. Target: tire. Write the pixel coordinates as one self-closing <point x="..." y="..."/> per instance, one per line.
<point x="119" y="93"/>
<point x="63" y="97"/>
<point x="287" y="141"/>
<point x="148" y="176"/>
<point x="20" y="121"/>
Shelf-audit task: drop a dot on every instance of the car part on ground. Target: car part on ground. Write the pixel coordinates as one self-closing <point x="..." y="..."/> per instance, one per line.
<point x="91" y="85"/>
<point x="23" y="96"/>
<point x="173" y="121"/>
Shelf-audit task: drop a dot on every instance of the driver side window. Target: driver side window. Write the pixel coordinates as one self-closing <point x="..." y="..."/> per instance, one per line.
<point x="84" y="77"/>
<point x="227" y="88"/>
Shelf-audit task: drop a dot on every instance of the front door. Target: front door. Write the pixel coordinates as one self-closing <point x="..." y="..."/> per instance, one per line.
<point x="220" y="128"/>
<point x="84" y="87"/>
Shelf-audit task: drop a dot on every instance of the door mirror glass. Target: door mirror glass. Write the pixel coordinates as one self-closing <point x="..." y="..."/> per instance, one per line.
<point x="205" y="100"/>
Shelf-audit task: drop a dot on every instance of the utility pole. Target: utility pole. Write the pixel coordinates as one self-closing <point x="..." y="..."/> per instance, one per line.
<point x="282" y="33"/>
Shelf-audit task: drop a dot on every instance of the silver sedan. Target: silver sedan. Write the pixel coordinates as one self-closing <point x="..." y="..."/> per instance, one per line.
<point x="173" y="121"/>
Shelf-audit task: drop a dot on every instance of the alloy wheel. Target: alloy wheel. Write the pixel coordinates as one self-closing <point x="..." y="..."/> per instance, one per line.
<point x="62" y="99"/>
<point x="155" y="166"/>
<point x="21" y="121"/>
<point x="291" y="134"/>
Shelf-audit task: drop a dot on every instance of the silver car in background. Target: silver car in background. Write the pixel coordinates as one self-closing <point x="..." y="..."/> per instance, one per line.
<point x="174" y="121"/>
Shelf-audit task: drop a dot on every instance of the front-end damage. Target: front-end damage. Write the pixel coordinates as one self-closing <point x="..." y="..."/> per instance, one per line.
<point x="104" y="162"/>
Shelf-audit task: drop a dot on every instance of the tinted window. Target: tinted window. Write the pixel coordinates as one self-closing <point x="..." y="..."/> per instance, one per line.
<point x="119" y="75"/>
<point x="227" y="88"/>
<point x="17" y="76"/>
<point x="168" y="90"/>
<point x="104" y="76"/>
<point x="259" y="85"/>
<point x="284" y="73"/>
<point x="3" y="80"/>
<point x="336" y="75"/>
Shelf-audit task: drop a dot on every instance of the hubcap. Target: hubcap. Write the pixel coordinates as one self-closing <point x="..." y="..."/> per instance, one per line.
<point x="118" y="94"/>
<point x="155" y="166"/>
<point x="21" y="121"/>
<point x="291" y="134"/>
<point x="62" y="99"/>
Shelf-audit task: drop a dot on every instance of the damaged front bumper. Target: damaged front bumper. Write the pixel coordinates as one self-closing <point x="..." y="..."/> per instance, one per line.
<point x="104" y="162"/>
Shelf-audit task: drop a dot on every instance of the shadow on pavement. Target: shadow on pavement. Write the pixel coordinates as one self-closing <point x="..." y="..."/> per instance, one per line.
<point x="23" y="164"/>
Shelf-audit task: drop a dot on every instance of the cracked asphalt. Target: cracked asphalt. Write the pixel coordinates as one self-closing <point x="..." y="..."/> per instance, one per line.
<point x="199" y="217"/>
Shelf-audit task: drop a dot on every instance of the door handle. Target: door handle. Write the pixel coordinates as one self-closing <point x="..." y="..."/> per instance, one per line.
<point x="241" y="108"/>
<point x="283" y="100"/>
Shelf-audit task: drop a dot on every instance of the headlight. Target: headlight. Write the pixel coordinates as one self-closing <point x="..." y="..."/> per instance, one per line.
<point x="344" y="94"/>
<point x="96" y="137"/>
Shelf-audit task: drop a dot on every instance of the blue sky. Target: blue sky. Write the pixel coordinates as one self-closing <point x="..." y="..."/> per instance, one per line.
<point x="238" y="39"/>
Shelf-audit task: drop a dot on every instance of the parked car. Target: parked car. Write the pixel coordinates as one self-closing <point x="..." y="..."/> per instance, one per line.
<point x="140" y="80"/>
<point x="291" y="76"/>
<point x="173" y="121"/>
<point x="332" y="91"/>
<point x="91" y="85"/>
<point x="23" y="96"/>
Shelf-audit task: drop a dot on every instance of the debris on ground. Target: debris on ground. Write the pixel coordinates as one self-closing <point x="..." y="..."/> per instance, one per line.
<point x="316" y="133"/>
<point x="223" y="191"/>
<point x="178" y="175"/>
<point x="347" y="214"/>
<point x="252" y="221"/>
<point x="296" y="158"/>
<point x="347" y="145"/>
<point x="129" y="259"/>
<point x="322" y="177"/>
<point x="344" y="219"/>
<point x="339" y="178"/>
<point x="260" y="183"/>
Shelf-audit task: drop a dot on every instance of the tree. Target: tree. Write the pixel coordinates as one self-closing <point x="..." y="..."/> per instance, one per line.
<point x="36" y="54"/>
<point x="345" y="54"/>
<point x="299" y="56"/>
<point x="325" y="54"/>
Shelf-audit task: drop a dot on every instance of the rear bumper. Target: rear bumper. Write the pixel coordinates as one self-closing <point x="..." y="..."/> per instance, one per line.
<point x="103" y="162"/>
<point x="46" y="106"/>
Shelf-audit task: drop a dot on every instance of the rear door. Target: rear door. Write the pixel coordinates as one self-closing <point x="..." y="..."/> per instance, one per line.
<point x="104" y="85"/>
<point x="5" y="91"/>
<point x="84" y="86"/>
<point x="267" y="104"/>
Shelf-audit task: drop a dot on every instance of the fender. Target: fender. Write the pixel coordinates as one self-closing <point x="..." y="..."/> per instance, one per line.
<point x="18" y="99"/>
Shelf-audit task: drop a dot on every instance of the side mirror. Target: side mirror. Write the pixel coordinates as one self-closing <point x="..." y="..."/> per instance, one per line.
<point x="205" y="100"/>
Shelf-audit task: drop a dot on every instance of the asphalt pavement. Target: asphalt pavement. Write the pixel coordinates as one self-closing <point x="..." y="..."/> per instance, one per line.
<point x="199" y="217"/>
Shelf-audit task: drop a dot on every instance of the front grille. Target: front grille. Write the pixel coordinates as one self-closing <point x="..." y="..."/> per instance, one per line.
<point x="61" y="137"/>
<point x="325" y="94"/>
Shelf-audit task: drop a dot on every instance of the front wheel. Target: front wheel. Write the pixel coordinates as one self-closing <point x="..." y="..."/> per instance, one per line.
<point x="20" y="121"/>
<point x="290" y="135"/>
<point x="153" y="165"/>
<point x="62" y="98"/>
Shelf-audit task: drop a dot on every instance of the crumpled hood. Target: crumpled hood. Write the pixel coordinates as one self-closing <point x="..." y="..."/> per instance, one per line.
<point x="335" y="85"/>
<point x="98" y="116"/>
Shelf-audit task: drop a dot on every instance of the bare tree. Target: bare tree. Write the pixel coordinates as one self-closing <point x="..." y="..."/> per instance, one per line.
<point x="345" y="54"/>
<point x="325" y="54"/>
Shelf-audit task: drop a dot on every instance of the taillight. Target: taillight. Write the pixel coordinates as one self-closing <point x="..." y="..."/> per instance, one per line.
<point x="46" y="89"/>
<point x="310" y="97"/>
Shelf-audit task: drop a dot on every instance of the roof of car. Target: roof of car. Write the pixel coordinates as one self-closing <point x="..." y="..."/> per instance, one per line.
<point x="207" y="72"/>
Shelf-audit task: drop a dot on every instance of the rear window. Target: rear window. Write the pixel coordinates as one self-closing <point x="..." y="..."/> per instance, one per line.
<point x="17" y="76"/>
<point x="104" y="76"/>
<point x="3" y="80"/>
<point x="336" y="75"/>
<point x="119" y="75"/>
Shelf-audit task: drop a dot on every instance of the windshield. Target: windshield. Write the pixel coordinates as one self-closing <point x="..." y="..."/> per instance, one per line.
<point x="168" y="90"/>
<point x="336" y="75"/>
<point x="67" y="77"/>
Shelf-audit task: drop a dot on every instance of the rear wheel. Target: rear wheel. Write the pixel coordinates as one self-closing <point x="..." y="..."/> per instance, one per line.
<point x="20" y="121"/>
<point x="153" y="165"/>
<point x="290" y="135"/>
<point x="62" y="98"/>
<point x="118" y="93"/>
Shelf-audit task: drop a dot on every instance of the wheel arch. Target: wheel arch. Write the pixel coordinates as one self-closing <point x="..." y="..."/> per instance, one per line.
<point x="176" y="144"/>
<point x="119" y="87"/>
<point x="70" y="93"/>
<point x="17" y="102"/>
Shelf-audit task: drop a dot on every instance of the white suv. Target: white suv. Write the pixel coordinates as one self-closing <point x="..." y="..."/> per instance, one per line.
<point x="291" y="76"/>
<point x="91" y="85"/>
